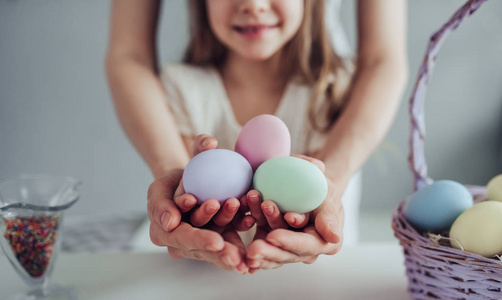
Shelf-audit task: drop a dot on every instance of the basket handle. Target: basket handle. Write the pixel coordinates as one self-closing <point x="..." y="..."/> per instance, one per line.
<point x="416" y="158"/>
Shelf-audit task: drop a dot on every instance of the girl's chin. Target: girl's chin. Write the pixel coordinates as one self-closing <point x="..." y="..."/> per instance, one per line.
<point x="257" y="55"/>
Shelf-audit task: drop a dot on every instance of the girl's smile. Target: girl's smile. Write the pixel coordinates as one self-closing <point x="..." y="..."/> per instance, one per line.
<point x="256" y="31"/>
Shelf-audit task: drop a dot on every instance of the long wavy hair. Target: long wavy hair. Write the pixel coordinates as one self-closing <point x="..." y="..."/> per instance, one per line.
<point x="308" y="56"/>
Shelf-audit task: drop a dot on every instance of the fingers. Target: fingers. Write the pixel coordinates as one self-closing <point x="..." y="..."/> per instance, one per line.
<point x="307" y="244"/>
<point x="222" y="215"/>
<point x="297" y="220"/>
<point x="243" y="223"/>
<point x="231" y="257"/>
<point x="260" y="250"/>
<point x="253" y="262"/>
<point x="202" y="143"/>
<point x="227" y="212"/>
<point x="254" y="204"/>
<point x="186" y="237"/>
<point x="263" y="264"/>
<point x="273" y="215"/>
<point x="175" y="252"/>
<point x="204" y="213"/>
<point x="244" y="202"/>
<point x="234" y="238"/>
<point x="185" y="202"/>
<point x="261" y="233"/>
<point x="161" y="209"/>
<point x="329" y="221"/>
<point x="315" y="161"/>
<point x="283" y="246"/>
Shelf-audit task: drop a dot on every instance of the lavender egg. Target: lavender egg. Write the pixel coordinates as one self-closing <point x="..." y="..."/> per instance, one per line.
<point x="217" y="174"/>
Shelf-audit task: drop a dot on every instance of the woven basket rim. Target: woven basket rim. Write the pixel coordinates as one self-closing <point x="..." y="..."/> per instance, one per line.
<point x="424" y="242"/>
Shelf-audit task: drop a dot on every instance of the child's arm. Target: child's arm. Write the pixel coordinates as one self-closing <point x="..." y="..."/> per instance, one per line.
<point x="138" y="94"/>
<point x="381" y="76"/>
<point x="139" y="100"/>
<point x="377" y="89"/>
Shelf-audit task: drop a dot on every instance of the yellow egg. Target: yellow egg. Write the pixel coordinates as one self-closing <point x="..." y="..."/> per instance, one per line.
<point x="479" y="229"/>
<point x="494" y="188"/>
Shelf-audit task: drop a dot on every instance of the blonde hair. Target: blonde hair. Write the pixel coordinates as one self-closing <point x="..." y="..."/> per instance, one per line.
<point x="317" y="63"/>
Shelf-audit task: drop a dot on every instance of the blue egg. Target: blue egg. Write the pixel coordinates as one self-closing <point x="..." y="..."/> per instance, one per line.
<point x="435" y="207"/>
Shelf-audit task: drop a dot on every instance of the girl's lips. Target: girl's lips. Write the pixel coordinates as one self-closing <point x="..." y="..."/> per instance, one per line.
<point x="253" y="31"/>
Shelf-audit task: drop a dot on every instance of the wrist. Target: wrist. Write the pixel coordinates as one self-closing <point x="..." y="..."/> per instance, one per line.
<point x="336" y="185"/>
<point x="160" y="172"/>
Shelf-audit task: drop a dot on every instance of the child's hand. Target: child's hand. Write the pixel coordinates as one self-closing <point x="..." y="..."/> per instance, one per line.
<point x="220" y="246"/>
<point x="275" y="245"/>
<point x="221" y="215"/>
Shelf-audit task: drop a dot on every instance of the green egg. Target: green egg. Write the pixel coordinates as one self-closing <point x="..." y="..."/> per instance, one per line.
<point x="294" y="184"/>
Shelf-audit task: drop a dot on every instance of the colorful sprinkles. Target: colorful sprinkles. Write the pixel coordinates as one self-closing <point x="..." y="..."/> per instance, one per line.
<point x="32" y="240"/>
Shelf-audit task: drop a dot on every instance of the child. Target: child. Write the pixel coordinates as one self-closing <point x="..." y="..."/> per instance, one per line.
<point x="246" y="58"/>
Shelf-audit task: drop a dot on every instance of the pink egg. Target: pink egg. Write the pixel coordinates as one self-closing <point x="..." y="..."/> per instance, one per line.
<point x="262" y="138"/>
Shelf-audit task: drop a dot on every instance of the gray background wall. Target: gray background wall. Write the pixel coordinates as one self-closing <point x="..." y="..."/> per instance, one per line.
<point x="56" y="114"/>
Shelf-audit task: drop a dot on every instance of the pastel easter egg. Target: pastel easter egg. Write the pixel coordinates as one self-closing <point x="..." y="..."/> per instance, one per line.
<point x="262" y="138"/>
<point x="479" y="229"/>
<point x="217" y="174"/>
<point x="294" y="184"/>
<point x="435" y="207"/>
<point x="494" y="188"/>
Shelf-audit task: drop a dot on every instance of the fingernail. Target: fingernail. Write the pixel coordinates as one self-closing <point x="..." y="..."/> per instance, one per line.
<point x="165" y="220"/>
<point x="249" y="222"/>
<point x="268" y="210"/>
<point x="205" y="142"/>
<point x="232" y="208"/>
<point x="333" y="228"/>
<point x="211" y="209"/>
<point x="211" y="247"/>
<point x="189" y="202"/>
<point x="254" y="199"/>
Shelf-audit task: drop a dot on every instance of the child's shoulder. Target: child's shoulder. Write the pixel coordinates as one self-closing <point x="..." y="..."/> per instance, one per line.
<point x="190" y="83"/>
<point x="180" y="71"/>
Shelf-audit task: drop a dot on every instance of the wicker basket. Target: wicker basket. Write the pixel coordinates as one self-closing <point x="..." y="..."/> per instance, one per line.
<point x="434" y="269"/>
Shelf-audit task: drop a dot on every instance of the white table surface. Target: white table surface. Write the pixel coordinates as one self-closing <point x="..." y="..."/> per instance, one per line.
<point x="367" y="271"/>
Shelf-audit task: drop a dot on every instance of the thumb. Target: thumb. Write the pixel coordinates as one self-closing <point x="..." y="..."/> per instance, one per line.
<point x="203" y="142"/>
<point x="329" y="221"/>
<point x="318" y="163"/>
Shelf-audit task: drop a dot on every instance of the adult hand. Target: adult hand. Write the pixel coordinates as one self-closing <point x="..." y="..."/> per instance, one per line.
<point x="220" y="246"/>
<point x="276" y="243"/>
